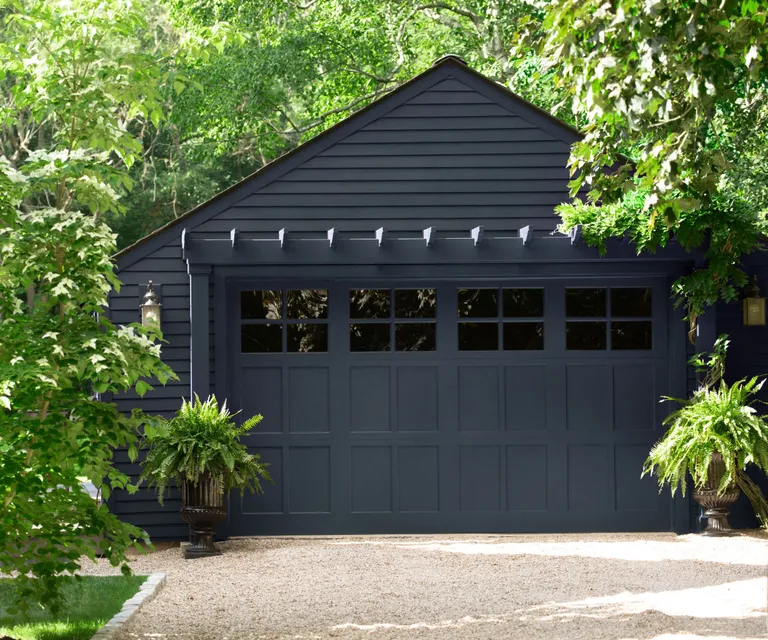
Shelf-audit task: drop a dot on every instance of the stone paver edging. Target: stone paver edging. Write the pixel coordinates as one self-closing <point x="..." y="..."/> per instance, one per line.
<point x="146" y="592"/>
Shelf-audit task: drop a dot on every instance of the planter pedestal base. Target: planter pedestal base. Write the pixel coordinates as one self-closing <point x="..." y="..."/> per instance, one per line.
<point x="202" y="523"/>
<point x="716" y="511"/>
<point x="716" y="506"/>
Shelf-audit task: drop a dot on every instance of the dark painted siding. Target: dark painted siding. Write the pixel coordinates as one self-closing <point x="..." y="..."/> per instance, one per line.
<point x="166" y="268"/>
<point x="449" y="157"/>
<point x="747" y="356"/>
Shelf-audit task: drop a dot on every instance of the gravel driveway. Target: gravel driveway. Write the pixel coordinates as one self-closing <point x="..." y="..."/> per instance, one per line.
<point x="567" y="586"/>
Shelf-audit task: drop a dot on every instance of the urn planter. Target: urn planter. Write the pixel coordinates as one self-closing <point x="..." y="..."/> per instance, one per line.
<point x="199" y="450"/>
<point x="716" y="505"/>
<point x="202" y="508"/>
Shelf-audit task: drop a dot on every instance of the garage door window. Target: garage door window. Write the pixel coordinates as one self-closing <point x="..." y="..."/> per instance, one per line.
<point x="277" y="321"/>
<point x="594" y="314"/>
<point x="512" y="319"/>
<point x="383" y="318"/>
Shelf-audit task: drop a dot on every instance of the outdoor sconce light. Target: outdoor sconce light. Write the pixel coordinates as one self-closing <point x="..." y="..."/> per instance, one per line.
<point x="150" y="308"/>
<point x="754" y="305"/>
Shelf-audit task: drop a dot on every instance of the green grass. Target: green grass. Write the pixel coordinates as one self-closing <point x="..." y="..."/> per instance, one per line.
<point x="89" y="604"/>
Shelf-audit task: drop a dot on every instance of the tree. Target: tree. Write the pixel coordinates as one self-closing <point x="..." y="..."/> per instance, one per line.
<point x="678" y="87"/>
<point x="74" y="80"/>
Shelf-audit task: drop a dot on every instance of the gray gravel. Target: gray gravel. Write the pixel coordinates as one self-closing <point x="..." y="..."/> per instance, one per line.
<point x="640" y="586"/>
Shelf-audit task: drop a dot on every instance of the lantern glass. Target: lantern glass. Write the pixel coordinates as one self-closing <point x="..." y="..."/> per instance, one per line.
<point x="150" y="314"/>
<point x="754" y="312"/>
<point x="150" y="308"/>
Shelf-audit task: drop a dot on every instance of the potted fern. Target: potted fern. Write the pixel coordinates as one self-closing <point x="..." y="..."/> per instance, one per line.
<point x="200" y="449"/>
<point x="714" y="436"/>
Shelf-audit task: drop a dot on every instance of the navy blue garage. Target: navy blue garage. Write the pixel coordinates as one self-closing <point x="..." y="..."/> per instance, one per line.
<point x="427" y="354"/>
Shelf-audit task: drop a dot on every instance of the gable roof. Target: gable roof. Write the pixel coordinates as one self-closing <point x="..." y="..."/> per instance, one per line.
<point x="445" y="68"/>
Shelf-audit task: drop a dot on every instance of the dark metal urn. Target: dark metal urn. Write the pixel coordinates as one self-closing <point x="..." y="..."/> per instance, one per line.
<point x="202" y="507"/>
<point x="716" y="506"/>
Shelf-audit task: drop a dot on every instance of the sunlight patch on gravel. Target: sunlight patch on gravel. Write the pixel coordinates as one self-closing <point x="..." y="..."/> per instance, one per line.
<point x="693" y="636"/>
<point x="698" y="548"/>
<point x="432" y="626"/>
<point x="742" y="599"/>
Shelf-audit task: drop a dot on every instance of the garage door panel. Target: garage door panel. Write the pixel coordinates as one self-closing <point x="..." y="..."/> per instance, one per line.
<point x="478" y="398"/>
<point x="309" y="479"/>
<point x="527" y="484"/>
<point x="632" y="493"/>
<point x="588" y="478"/>
<point x="308" y="398"/>
<point x="418" y="480"/>
<point x="261" y="392"/>
<point x="371" y="480"/>
<point x="634" y="396"/>
<point x="480" y="478"/>
<point x="417" y="398"/>
<point x="272" y="499"/>
<point x="589" y="397"/>
<point x="526" y="397"/>
<point x="369" y="398"/>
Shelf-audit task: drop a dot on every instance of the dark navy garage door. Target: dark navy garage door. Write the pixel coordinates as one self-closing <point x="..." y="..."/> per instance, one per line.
<point x="424" y="406"/>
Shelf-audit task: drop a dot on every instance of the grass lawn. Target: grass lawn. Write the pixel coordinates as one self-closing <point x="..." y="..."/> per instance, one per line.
<point x="89" y="604"/>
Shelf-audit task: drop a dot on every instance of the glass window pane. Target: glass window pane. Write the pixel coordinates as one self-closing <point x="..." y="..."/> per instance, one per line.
<point x="523" y="303"/>
<point x="414" y="303"/>
<point x="261" y="338"/>
<point x="303" y="338"/>
<point x="628" y="303"/>
<point x="632" y="335"/>
<point x="478" y="336"/>
<point x="523" y="336"/>
<point x="307" y="303"/>
<point x="585" y="335"/>
<point x="369" y="303"/>
<point x="478" y="303"/>
<point x="585" y="303"/>
<point x="261" y="305"/>
<point x="415" y="337"/>
<point x="369" y="337"/>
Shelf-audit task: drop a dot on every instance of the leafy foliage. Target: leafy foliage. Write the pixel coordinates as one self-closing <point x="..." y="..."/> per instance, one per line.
<point x="677" y="86"/>
<point x="719" y="418"/>
<point x="72" y="83"/>
<point x="202" y="438"/>
<point x="58" y="348"/>
<point x="711" y="366"/>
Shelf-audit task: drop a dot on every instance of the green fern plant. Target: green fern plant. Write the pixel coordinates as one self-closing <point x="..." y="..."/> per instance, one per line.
<point x="718" y="419"/>
<point x="202" y="438"/>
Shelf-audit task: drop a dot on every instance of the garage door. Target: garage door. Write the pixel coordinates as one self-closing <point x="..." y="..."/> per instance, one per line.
<point x="424" y="406"/>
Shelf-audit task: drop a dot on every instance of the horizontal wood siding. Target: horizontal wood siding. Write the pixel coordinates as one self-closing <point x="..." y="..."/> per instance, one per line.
<point x="166" y="268"/>
<point x="450" y="157"/>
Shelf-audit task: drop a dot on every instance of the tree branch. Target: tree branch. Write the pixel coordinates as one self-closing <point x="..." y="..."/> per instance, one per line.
<point x="351" y="105"/>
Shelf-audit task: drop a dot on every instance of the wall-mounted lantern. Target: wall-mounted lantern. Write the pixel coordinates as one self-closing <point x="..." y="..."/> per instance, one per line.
<point x="150" y="308"/>
<point x="754" y="305"/>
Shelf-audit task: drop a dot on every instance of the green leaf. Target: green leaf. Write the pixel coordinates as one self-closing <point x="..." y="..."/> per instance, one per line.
<point x="142" y="387"/>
